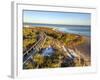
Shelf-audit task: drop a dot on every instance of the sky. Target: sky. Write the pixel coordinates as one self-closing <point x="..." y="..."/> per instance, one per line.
<point x="47" y="17"/>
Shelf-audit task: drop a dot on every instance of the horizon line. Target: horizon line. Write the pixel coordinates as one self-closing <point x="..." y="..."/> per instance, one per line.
<point x="54" y="24"/>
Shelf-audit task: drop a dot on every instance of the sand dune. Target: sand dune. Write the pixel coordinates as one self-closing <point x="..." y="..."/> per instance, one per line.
<point x="85" y="49"/>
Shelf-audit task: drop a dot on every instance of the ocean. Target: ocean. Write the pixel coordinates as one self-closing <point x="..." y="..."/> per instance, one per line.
<point x="75" y="29"/>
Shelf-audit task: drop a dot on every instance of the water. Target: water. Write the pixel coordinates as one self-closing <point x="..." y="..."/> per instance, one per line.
<point x="76" y="29"/>
<point x="48" y="51"/>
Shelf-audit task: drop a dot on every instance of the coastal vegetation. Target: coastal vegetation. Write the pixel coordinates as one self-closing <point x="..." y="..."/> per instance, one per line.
<point x="51" y="48"/>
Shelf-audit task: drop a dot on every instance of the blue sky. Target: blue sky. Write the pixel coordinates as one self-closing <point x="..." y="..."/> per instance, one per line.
<point x="66" y="18"/>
